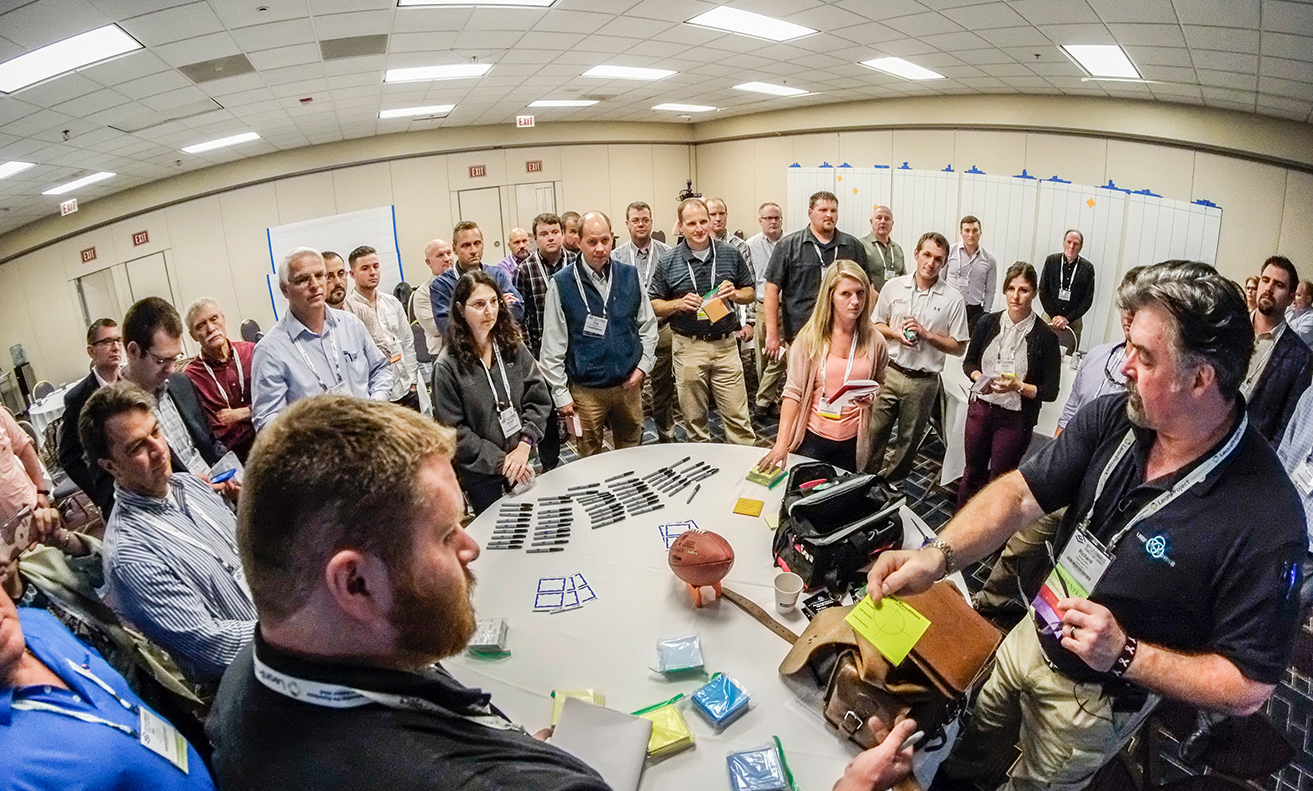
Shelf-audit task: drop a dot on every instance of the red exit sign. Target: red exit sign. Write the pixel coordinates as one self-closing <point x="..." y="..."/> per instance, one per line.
<point x="533" y="166"/>
<point x="88" y="255"/>
<point x="139" y="238"/>
<point x="478" y="171"/>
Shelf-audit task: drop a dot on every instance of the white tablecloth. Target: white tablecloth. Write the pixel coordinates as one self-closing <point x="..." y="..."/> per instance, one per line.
<point x="956" y="386"/>
<point x="610" y="644"/>
<point x="47" y="411"/>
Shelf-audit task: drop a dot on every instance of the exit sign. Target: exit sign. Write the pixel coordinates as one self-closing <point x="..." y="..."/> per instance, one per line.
<point x="139" y="238"/>
<point x="88" y="255"/>
<point x="533" y="166"/>
<point x="524" y="121"/>
<point x="478" y="171"/>
<point x="68" y="207"/>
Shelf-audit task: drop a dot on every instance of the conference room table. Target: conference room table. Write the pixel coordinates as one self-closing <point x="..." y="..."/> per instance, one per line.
<point x="47" y="411"/>
<point x="610" y="643"/>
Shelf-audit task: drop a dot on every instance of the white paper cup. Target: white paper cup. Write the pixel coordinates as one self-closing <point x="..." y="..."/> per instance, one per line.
<point x="788" y="586"/>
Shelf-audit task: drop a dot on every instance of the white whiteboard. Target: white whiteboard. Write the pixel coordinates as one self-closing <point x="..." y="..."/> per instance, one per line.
<point x="340" y="233"/>
<point x="860" y="190"/>
<point x="1098" y="213"/>
<point x="1006" y="209"/>
<point x="923" y="200"/>
<point x="1160" y="229"/>
<point x="802" y="184"/>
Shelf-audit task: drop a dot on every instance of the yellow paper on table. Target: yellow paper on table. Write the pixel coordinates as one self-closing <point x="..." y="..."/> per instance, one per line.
<point x="559" y="696"/>
<point x="748" y="507"/>
<point x="670" y="732"/>
<point x="892" y="626"/>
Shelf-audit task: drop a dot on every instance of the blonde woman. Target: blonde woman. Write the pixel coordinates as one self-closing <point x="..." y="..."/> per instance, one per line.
<point x="838" y="344"/>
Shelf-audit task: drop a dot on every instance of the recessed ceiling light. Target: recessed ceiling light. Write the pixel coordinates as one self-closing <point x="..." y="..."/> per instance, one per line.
<point x="563" y="103"/>
<point x="10" y="168"/>
<point x="451" y="71"/>
<point x="746" y="23"/>
<point x="901" y="68"/>
<point x="685" y="108"/>
<point x="64" y="56"/>
<point x="1102" y="60"/>
<point x="628" y="73"/>
<point x="408" y="112"/>
<point x="222" y="142"/>
<point x="82" y="182"/>
<point x="475" y="3"/>
<point x="766" y="87"/>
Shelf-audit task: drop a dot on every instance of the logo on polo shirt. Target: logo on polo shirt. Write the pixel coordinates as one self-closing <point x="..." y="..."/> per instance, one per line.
<point x="1156" y="547"/>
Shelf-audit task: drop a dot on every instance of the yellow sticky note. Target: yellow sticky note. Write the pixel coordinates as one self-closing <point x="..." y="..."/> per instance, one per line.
<point x="748" y="507"/>
<point x="892" y="626"/>
<point x="772" y="520"/>
<point x="670" y="732"/>
<point x="559" y="696"/>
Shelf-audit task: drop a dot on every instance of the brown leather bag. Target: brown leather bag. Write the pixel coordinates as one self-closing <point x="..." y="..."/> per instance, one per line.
<point x="861" y="683"/>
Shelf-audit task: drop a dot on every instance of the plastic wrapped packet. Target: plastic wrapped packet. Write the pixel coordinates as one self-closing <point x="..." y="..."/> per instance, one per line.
<point x="670" y="733"/>
<point x="489" y="637"/>
<point x="679" y="654"/>
<point x="760" y="769"/>
<point x="721" y="700"/>
<point x="559" y="696"/>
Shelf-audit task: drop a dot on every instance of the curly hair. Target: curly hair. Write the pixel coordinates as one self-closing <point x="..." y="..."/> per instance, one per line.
<point x="505" y="333"/>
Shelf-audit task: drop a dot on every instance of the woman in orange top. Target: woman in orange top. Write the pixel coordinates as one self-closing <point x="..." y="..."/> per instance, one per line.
<point x="837" y="345"/>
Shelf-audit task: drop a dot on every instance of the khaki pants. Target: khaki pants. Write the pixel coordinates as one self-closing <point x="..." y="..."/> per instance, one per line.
<point x="662" y="381"/>
<point x="1068" y="730"/>
<point x="909" y="399"/>
<point x="600" y="407"/>
<point x="1022" y="565"/>
<point x="770" y="373"/>
<point x="706" y="368"/>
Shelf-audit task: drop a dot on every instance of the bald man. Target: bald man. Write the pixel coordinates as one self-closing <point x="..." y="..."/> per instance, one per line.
<point x="439" y="256"/>
<point x="517" y="252"/>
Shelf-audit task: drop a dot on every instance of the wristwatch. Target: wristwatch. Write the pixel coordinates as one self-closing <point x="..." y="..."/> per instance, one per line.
<point x="950" y="562"/>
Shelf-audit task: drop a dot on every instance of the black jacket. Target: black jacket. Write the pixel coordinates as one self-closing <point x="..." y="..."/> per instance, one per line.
<point x="1082" y="288"/>
<point x="1043" y="361"/>
<point x="1279" y="387"/>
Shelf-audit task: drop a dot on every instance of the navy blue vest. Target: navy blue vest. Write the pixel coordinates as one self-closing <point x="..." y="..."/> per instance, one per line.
<point x="607" y="361"/>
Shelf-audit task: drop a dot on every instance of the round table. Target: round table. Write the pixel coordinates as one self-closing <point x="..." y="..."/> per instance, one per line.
<point x="47" y="411"/>
<point x="610" y="643"/>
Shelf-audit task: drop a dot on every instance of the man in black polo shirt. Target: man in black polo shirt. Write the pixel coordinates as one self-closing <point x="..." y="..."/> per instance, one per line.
<point x="1179" y="559"/>
<point x="351" y="539"/>
<point x="694" y="286"/>
<point x="794" y="274"/>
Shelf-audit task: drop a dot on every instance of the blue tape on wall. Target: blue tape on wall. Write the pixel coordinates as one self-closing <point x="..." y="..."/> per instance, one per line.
<point x="1056" y="180"/>
<point x="826" y="165"/>
<point x="905" y="166"/>
<point x="397" y="243"/>
<point x="1202" y="202"/>
<point x="1024" y="175"/>
<point x="975" y="171"/>
<point x="273" y="265"/>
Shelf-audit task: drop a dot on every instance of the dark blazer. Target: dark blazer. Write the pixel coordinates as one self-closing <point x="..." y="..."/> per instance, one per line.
<point x="189" y="408"/>
<point x="1082" y="288"/>
<point x="91" y="478"/>
<point x="1279" y="387"/>
<point x="1043" y="361"/>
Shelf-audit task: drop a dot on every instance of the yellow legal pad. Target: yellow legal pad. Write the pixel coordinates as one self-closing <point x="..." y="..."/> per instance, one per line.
<point x="892" y="626"/>
<point x="670" y="732"/>
<point x="748" y="507"/>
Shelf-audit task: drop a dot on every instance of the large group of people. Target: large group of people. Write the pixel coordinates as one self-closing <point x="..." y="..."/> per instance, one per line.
<point x="296" y="546"/>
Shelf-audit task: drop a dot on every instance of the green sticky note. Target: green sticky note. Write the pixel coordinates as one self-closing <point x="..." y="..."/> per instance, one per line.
<point x="892" y="626"/>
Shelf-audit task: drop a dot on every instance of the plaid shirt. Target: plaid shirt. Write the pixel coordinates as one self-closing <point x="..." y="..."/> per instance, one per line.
<point x="531" y="281"/>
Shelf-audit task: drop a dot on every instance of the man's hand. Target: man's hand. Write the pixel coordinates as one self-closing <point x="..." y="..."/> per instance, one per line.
<point x="567" y="414"/>
<point x="509" y="297"/>
<point x="910" y="323"/>
<point x="515" y="467"/>
<point x="1060" y="323"/>
<point x="726" y="290"/>
<point x="881" y="766"/>
<point x="1006" y="384"/>
<point x="1090" y="632"/>
<point x="229" y="489"/>
<point x="635" y="379"/>
<point x="691" y="303"/>
<point x="745" y="333"/>
<point x="773" y="348"/>
<point x="45" y="521"/>
<point x="230" y="416"/>
<point x="904" y="571"/>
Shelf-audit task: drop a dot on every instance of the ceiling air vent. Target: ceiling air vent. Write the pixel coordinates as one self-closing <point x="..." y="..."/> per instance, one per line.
<point x="217" y="69"/>
<point x="354" y="46"/>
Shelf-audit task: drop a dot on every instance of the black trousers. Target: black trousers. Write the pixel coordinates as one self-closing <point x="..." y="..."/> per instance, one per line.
<point x="549" y="449"/>
<point x="840" y="453"/>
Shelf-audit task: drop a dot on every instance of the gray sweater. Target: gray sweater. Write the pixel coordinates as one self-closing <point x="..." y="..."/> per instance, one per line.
<point x="462" y="400"/>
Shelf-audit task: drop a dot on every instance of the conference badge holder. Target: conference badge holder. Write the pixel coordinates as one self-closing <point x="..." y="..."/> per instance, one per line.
<point x="1064" y="294"/>
<point x="595" y="326"/>
<point x="161" y="738"/>
<point x="510" y="422"/>
<point x="1303" y="477"/>
<point x="1075" y="574"/>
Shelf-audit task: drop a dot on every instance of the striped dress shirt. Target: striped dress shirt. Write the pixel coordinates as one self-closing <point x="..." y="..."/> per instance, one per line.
<point x="172" y="570"/>
<point x="1100" y="374"/>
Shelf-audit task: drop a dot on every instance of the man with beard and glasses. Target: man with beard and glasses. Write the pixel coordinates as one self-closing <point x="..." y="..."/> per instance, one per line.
<point x="334" y="280"/>
<point x="350" y="532"/>
<point x="1281" y="366"/>
<point x="1179" y="560"/>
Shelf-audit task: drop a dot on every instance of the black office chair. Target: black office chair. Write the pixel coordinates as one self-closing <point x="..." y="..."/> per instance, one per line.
<point x="421" y="344"/>
<point x="740" y="235"/>
<point x="660" y="236"/>
<point x="402" y="292"/>
<point x="251" y="331"/>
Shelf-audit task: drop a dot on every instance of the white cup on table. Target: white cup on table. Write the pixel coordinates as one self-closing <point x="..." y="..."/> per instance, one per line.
<point x="788" y="586"/>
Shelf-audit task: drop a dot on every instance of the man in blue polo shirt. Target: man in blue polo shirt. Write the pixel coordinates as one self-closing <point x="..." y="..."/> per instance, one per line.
<point x="468" y="241"/>
<point x="599" y="342"/>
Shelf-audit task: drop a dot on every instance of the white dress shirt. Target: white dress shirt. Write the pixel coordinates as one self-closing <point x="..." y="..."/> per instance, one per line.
<point x="975" y="276"/>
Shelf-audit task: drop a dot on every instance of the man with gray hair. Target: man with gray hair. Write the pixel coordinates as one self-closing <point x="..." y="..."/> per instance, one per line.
<point x="1299" y="316"/>
<point x="1178" y="564"/>
<point x="222" y="376"/>
<point x="313" y="350"/>
<point x="439" y="256"/>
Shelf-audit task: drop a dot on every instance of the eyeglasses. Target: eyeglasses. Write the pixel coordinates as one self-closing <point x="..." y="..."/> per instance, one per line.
<point x="174" y="360"/>
<point x="107" y="342"/>
<point x="481" y="305"/>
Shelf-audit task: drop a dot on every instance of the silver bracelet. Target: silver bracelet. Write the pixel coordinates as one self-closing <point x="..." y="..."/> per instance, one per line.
<point x="950" y="560"/>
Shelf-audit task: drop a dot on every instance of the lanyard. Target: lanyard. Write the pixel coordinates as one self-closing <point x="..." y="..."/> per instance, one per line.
<point x="694" y="280"/>
<point x="584" y="296"/>
<point x="501" y="367"/>
<point x="241" y="377"/>
<point x="884" y="260"/>
<point x="825" y="367"/>
<point x="186" y="539"/>
<point x="337" y="358"/>
<point x="36" y="705"/>
<point x="1066" y="285"/>
<point x="1162" y="500"/>
<point x="821" y="256"/>
<point x="335" y="696"/>
<point x="1018" y="340"/>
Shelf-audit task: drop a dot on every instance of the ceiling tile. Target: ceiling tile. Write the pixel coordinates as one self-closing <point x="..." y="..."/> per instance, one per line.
<point x="1015" y="37"/>
<point x="1220" y="13"/>
<point x="152" y="85"/>
<point x="285" y="56"/>
<point x="985" y="16"/>
<point x="1148" y="35"/>
<point x="1080" y="33"/>
<point x="1286" y="46"/>
<point x="359" y="23"/>
<point x="173" y="24"/>
<point x="1168" y="73"/>
<point x="952" y="42"/>
<point x="1283" y="17"/>
<point x="275" y="34"/>
<point x="235" y="15"/>
<point x="38" y="24"/>
<point x="925" y="24"/>
<point x="1055" y="12"/>
<point x="1228" y="79"/>
<point x="1285" y="88"/>
<point x="1160" y="56"/>
<point x="1284" y="69"/>
<point x="195" y="50"/>
<point x="1225" y="61"/>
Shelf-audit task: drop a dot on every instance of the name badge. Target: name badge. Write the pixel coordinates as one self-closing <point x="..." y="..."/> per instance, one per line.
<point x="595" y="326"/>
<point x="1303" y="478"/>
<point x="1007" y="367"/>
<point x="510" y="422"/>
<point x="1079" y="569"/>
<point x="163" y="739"/>
<point x="1064" y="294"/>
<point x="827" y="410"/>
<point x="890" y="273"/>
<point x="338" y="389"/>
<point x="239" y="576"/>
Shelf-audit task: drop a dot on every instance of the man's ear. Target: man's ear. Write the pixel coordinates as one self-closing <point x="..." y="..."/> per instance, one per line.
<point x="107" y="465"/>
<point x="133" y="349"/>
<point x="359" y="584"/>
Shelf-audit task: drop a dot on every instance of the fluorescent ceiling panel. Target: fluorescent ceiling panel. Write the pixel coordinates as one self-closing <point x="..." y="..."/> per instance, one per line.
<point x="65" y="56"/>
<point x="82" y="182"/>
<point x="10" y="168"/>
<point x="746" y="23"/>
<point x="222" y="142"/>
<point x="628" y="73"/>
<point x="1102" y="60"/>
<point x="409" y="112"/>
<point x="450" y="71"/>
<point x="767" y="88"/>
<point x="474" y="3"/>
<point x="685" y="108"/>
<point x="563" y="103"/>
<point x="901" y="68"/>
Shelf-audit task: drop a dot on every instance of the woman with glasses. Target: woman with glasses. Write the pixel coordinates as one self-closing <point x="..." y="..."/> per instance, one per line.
<point x="488" y="387"/>
<point x="1015" y="362"/>
<point x="1251" y="292"/>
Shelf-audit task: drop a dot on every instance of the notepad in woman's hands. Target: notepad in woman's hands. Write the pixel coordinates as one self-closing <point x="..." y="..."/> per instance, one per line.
<point x="853" y="388"/>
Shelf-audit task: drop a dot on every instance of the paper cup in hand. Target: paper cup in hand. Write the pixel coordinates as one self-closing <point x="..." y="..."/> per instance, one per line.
<point x="788" y="586"/>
